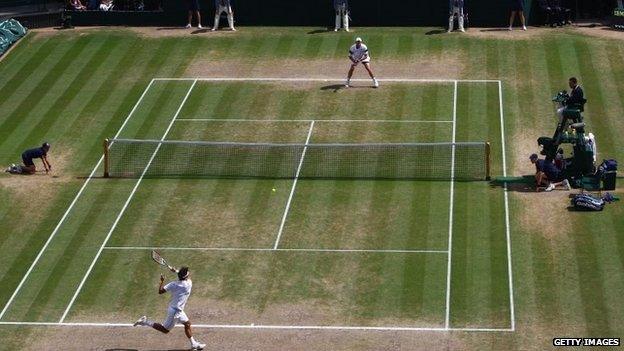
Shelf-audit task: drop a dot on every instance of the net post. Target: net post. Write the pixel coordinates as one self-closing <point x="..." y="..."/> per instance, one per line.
<point x="106" y="161"/>
<point x="488" y="159"/>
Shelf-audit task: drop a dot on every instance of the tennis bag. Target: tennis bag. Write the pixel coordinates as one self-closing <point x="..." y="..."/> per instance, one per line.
<point x="586" y="202"/>
<point x="608" y="165"/>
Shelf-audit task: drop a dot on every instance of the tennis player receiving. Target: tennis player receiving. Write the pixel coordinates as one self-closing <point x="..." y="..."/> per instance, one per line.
<point x="180" y="291"/>
<point x="359" y="53"/>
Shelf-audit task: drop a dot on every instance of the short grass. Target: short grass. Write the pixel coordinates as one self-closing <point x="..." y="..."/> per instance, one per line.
<point x="75" y="89"/>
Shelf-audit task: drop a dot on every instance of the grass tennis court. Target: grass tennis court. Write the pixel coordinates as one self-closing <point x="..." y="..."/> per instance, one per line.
<point x="415" y="259"/>
<point x="403" y="227"/>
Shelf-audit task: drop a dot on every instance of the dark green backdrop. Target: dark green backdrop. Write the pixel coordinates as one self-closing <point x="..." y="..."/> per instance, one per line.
<point x="315" y="13"/>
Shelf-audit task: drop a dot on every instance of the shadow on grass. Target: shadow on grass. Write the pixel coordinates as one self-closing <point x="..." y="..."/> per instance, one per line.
<point x="334" y="87"/>
<point x="200" y="31"/>
<point x="435" y="32"/>
<point x="522" y="184"/>
<point x="172" y="28"/>
<point x="320" y="31"/>
<point x="495" y="30"/>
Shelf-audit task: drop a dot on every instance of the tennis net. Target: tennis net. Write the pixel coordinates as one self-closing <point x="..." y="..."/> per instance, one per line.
<point x="154" y="158"/>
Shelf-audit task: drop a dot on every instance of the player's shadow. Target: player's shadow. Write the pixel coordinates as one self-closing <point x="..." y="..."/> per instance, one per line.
<point x="334" y="87"/>
<point x="319" y="31"/>
<point x="200" y="31"/>
<point x="495" y="30"/>
<point x="436" y="31"/>
<point x="172" y="28"/>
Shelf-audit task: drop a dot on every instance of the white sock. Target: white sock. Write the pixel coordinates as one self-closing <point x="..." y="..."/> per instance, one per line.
<point x="230" y="18"/>
<point x="193" y="341"/>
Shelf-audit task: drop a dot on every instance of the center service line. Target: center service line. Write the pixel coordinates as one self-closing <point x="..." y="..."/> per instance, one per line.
<point x="450" y="231"/>
<point x="292" y="190"/>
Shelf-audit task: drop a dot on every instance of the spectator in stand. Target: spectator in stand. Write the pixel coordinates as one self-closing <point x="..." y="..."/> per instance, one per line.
<point x="517" y="7"/>
<point x="76" y="5"/>
<point x="193" y="8"/>
<point x="552" y="17"/>
<point x="564" y="15"/>
<point x="106" y="5"/>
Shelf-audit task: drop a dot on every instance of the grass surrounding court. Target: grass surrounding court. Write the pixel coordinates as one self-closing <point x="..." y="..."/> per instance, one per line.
<point x="76" y="88"/>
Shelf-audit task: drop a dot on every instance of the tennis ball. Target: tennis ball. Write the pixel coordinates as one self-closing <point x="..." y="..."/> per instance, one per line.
<point x="273" y="190"/>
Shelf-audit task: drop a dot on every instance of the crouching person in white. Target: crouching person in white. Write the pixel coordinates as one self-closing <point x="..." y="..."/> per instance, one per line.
<point x="222" y="6"/>
<point x="456" y="8"/>
<point x="342" y="12"/>
<point x="180" y="291"/>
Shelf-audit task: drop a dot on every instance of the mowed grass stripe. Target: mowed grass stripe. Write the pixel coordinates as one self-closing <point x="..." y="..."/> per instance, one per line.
<point x="10" y="64"/>
<point x="72" y="90"/>
<point x="596" y="114"/>
<point x="97" y="109"/>
<point x="23" y="70"/>
<point x="32" y="99"/>
<point x="43" y="306"/>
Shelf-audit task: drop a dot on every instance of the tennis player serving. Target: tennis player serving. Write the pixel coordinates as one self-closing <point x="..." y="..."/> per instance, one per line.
<point x="359" y="53"/>
<point x="180" y="291"/>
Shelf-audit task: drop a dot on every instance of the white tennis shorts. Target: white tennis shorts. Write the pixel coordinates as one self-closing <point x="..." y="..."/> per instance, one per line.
<point x="367" y="60"/>
<point x="174" y="316"/>
<point x="226" y="9"/>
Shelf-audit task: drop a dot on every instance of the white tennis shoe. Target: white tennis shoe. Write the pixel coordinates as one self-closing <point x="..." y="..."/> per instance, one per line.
<point x="140" y="322"/>
<point x="198" y="346"/>
<point x="550" y="187"/>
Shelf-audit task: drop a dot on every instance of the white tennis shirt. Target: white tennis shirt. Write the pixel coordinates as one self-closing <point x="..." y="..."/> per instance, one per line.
<point x="180" y="291"/>
<point x="358" y="53"/>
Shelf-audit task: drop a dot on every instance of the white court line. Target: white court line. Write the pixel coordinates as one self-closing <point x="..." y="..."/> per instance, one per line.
<point x="71" y="206"/>
<point x="268" y="327"/>
<point x="289" y="79"/>
<point x="125" y="206"/>
<point x="451" y="202"/>
<point x="307" y="120"/>
<point x="507" y="231"/>
<point x="271" y="250"/>
<point x="292" y="190"/>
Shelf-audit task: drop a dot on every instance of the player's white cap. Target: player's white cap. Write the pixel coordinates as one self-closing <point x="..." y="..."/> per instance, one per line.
<point x="358" y="39"/>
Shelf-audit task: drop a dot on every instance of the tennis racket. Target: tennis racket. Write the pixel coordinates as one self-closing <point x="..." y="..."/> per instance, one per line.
<point x="161" y="261"/>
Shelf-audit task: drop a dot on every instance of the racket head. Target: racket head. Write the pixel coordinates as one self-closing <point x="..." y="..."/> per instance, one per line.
<point x="158" y="258"/>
